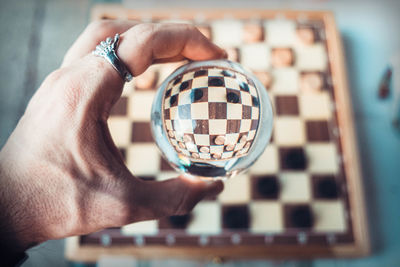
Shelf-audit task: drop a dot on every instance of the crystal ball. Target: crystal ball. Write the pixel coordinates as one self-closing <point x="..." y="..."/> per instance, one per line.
<point x="211" y="119"/>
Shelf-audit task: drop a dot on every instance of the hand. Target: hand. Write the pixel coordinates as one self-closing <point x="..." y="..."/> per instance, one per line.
<point x="60" y="172"/>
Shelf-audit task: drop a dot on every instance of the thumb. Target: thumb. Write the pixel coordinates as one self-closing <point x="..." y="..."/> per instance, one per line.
<point x="176" y="196"/>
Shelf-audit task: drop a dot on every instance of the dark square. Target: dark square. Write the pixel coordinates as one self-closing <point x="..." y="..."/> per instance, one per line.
<point x="168" y="92"/>
<point x="173" y="100"/>
<point x="141" y="132"/>
<point x="236" y="99"/>
<point x="200" y="126"/>
<point x="235" y="217"/>
<point x="194" y="95"/>
<point x="298" y="216"/>
<point x="167" y="114"/>
<point x="228" y="73"/>
<point x="175" y="221"/>
<point x="200" y="73"/>
<point x="120" y="108"/>
<point x="147" y="178"/>
<point x="184" y="112"/>
<point x="254" y="124"/>
<point x="287" y="105"/>
<point x="233" y="126"/>
<point x="217" y="110"/>
<point x="185" y="85"/>
<point x="177" y="80"/>
<point x="317" y="131"/>
<point x="255" y="102"/>
<point x="292" y="158"/>
<point x="325" y="187"/>
<point x="246" y="112"/>
<point x="265" y="187"/>
<point x="216" y="81"/>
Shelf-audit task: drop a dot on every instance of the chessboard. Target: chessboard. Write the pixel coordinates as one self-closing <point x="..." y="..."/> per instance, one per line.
<point x="302" y="198"/>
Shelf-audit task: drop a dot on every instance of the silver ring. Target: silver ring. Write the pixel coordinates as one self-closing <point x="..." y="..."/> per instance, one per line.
<point x="106" y="49"/>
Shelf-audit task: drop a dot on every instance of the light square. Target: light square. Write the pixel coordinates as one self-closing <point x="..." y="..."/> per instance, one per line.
<point x="246" y="98"/>
<point x="140" y="228"/>
<point x="217" y="94"/>
<point x="255" y="113"/>
<point x="191" y="147"/>
<point x="237" y="190"/>
<point x="168" y="124"/>
<point x="139" y="107"/>
<point x="289" y="131"/>
<point x="330" y="216"/>
<point x="186" y="126"/>
<point x="187" y="76"/>
<point x="217" y="126"/>
<point x="322" y="158"/>
<point x="216" y="149"/>
<point x="199" y="111"/>
<point x="231" y="138"/>
<point x="280" y="32"/>
<point x="315" y="106"/>
<point x="166" y="175"/>
<point x="245" y="126"/>
<point x="227" y="32"/>
<point x="266" y="217"/>
<point x="202" y="139"/>
<point x="267" y="163"/>
<point x="173" y="113"/>
<point x="206" y="218"/>
<point x="311" y="57"/>
<point x="286" y="81"/>
<point x="184" y="97"/>
<point x="227" y="155"/>
<point x="231" y="83"/>
<point x="215" y="73"/>
<point x="234" y="111"/>
<point x="200" y="82"/>
<point x="255" y="56"/>
<point x="120" y="129"/>
<point x="143" y="159"/>
<point x="295" y="187"/>
<point x="205" y="155"/>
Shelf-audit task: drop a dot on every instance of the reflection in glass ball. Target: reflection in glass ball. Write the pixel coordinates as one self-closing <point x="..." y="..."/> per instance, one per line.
<point x="211" y="119"/>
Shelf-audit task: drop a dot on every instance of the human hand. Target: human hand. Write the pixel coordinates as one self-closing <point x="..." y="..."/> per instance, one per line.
<point x="60" y="172"/>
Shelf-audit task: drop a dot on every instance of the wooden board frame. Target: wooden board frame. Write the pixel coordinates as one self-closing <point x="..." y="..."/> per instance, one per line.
<point x="361" y="244"/>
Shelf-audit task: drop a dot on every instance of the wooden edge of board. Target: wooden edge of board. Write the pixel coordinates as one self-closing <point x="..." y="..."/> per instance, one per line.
<point x="75" y="252"/>
<point x="349" y="143"/>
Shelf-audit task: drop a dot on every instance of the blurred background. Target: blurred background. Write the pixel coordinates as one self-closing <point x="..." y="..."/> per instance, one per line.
<point x="35" y="35"/>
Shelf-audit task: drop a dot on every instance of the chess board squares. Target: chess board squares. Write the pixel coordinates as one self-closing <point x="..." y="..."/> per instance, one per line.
<point x="282" y="57"/>
<point x="141" y="132"/>
<point x="217" y="110"/>
<point x="139" y="106"/>
<point x="315" y="106"/>
<point x="255" y="56"/>
<point x="280" y="32"/>
<point x="226" y="32"/>
<point x="323" y="158"/>
<point x="306" y="35"/>
<point x="253" y="32"/>
<point x="217" y="94"/>
<point x="236" y="191"/>
<point x="286" y="105"/>
<point x="311" y="82"/>
<point x="317" y="131"/>
<point x="330" y="216"/>
<point x="286" y="81"/>
<point x="235" y="217"/>
<point x="293" y="158"/>
<point x="120" y="129"/>
<point x="311" y="57"/>
<point x="267" y="163"/>
<point x="206" y="218"/>
<point x="175" y="222"/>
<point x="266" y="217"/>
<point x="140" y="228"/>
<point x="217" y="127"/>
<point x="166" y="175"/>
<point x="265" y="187"/>
<point x="299" y="216"/>
<point x="289" y="131"/>
<point x="120" y="108"/>
<point x="295" y="187"/>
<point x="325" y="187"/>
<point x="143" y="159"/>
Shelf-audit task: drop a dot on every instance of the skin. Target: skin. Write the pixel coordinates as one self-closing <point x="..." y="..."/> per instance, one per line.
<point x="60" y="171"/>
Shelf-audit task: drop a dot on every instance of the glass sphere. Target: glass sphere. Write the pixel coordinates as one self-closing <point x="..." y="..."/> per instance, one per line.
<point x="211" y="119"/>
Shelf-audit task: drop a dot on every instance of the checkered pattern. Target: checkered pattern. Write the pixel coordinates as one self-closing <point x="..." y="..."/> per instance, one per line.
<point x="197" y="111"/>
<point x="295" y="194"/>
